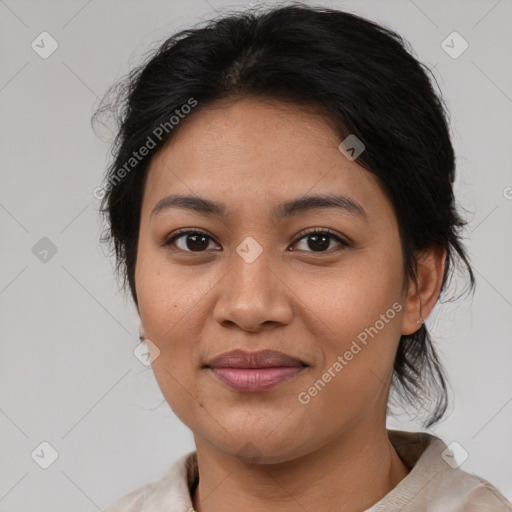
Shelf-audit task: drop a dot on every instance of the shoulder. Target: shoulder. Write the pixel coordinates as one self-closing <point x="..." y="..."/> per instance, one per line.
<point x="436" y="482"/>
<point x="134" y="501"/>
<point x="170" y="493"/>
<point x="474" y="493"/>
<point x="471" y="492"/>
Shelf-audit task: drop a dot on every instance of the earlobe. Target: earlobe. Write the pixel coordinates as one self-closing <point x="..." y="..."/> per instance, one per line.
<point x="421" y="298"/>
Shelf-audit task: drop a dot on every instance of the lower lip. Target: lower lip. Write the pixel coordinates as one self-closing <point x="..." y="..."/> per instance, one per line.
<point x="252" y="380"/>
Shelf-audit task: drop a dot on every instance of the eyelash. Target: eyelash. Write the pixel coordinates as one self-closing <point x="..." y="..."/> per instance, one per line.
<point x="308" y="232"/>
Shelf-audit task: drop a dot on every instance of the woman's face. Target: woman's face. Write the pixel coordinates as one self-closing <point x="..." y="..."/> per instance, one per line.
<point x="258" y="281"/>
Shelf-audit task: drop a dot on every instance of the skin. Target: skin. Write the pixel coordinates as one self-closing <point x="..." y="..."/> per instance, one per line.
<point x="267" y="451"/>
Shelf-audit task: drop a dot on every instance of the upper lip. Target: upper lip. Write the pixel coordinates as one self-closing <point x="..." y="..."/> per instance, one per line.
<point x="262" y="359"/>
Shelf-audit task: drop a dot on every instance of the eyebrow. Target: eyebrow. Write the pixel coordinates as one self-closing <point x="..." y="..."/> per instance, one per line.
<point x="282" y="210"/>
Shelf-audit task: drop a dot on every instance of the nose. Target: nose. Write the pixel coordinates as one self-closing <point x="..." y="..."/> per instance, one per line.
<point x="253" y="296"/>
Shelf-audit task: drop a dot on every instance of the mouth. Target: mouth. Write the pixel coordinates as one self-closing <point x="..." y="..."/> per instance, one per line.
<point x="255" y="371"/>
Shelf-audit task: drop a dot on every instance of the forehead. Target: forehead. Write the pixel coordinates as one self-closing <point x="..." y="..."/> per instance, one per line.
<point x="249" y="152"/>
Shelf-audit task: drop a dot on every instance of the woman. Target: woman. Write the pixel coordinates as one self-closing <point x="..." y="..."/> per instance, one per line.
<point x="281" y="207"/>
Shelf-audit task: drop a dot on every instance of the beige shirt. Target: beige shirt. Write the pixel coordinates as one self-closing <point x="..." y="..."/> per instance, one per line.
<point x="434" y="484"/>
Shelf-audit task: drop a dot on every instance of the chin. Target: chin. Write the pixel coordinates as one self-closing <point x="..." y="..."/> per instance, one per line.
<point x="258" y="447"/>
<point x="251" y="453"/>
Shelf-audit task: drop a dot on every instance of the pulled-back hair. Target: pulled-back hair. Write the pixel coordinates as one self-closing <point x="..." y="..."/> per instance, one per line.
<point x="361" y="77"/>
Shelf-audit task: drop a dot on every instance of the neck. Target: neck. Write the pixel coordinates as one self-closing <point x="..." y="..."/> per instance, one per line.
<point x="350" y="473"/>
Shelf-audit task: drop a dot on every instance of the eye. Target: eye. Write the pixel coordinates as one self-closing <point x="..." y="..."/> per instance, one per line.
<point x="320" y="239"/>
<point x="189" y="240"/>
<point x="196" y="240"/>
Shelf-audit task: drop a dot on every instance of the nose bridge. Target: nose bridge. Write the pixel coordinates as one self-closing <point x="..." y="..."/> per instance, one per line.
<point x="251" y="268"/>
<point x="252" y="277"/>
<point x="251" y="294"/>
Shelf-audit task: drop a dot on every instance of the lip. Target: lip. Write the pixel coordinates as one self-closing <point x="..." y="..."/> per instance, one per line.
<point x="255" y="371"/>
<point x="261" y="359"/>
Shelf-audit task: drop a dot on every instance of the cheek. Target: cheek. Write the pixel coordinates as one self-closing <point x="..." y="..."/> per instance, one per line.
<point x="345" y="302"/>
<point x="169" y="321"/>
<point x="358" y="362"/>
<point x="162" y="304"/>
<point x="358" y="310"/>
<point x="166" y="294"/>
<point x="171" y="305"/>
<point x="173" y="331"/>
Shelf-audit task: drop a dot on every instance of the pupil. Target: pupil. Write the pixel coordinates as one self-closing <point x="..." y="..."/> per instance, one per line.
<point x="202" y="244"/>
<point x="323" y="244"/>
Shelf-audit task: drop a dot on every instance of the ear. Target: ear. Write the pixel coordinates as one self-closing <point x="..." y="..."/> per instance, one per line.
<point x="422" y="298"/>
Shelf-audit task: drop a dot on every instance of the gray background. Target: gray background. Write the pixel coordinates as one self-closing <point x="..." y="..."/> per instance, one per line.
<point x="68" y="375"/>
